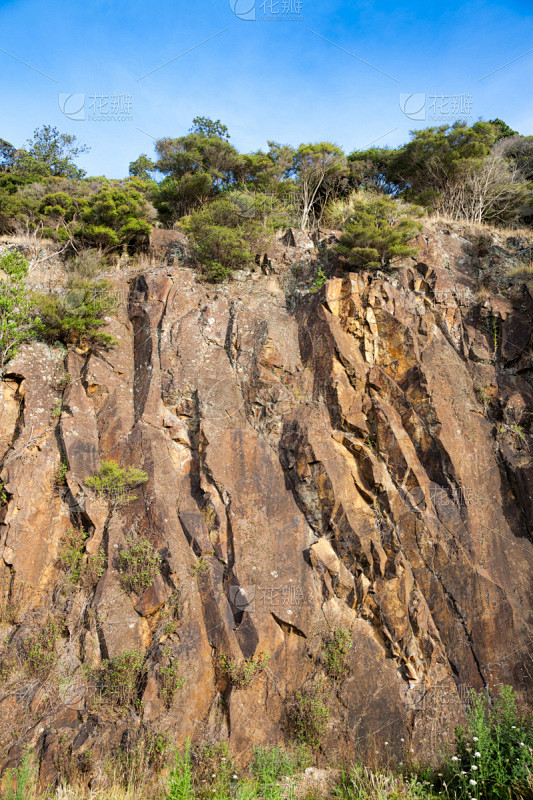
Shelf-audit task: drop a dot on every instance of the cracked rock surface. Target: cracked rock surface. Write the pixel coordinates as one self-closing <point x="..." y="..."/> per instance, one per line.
<point x="357" y="457"/>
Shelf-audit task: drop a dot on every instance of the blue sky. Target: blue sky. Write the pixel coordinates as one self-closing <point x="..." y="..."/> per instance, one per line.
<point x="303" y="70"/>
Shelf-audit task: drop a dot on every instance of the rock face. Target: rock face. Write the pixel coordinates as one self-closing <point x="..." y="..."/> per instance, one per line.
<point x="357" y="457"/>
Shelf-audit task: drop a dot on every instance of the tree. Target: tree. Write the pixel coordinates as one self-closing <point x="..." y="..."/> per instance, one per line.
<point x="114" y="217"/>
<point x="370" y="169"/>
<point x="502" y="129"/>
<point x="491" y="191"/>
<point x="379" y="231"/>
<point x="319" y="170"/>
<point x="141" y="167"/>
<point x="51" y="153"/>
<point x="433" y="166"/>
<point x="7" y="155"/>
<point x="519" y="150"/>
<point x="209" y="128"/>
<point x="16" y="324"/>
<point x="197" y="167"/>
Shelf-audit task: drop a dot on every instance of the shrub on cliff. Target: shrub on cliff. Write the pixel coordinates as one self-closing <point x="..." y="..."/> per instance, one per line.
<point x="139" y="563"/>
<point x="378" y="231"/>
<point x="116" y="482"/>
<point x="223" y="239"/>
<point x="309" y="715"/>
<point x="77" y="318"/>
<point x="15" y="306"/>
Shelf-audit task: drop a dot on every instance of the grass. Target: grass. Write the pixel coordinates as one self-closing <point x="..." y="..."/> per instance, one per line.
<point x="492" y="759"/>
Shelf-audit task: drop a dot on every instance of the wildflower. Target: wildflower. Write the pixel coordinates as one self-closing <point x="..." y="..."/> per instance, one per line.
<point x="222" y="759"/>
<point x="386" y="743"/>
<point x="472" y="782"/>
<point x="463" y="772"/>
<point x="411" y="750"/>
<point x="477" y="754"/>
<point x="473" y="767"/>
<point x="402" y="739"/>
<point x="521" y="744"/>
<point x="455" y="758"/>
<point x="213" y="775"/>
<point x="234" y="777"/>
<point x="475" y="738"/>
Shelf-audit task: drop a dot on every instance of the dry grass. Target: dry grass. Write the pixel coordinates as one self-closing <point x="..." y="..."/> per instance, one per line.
<point x="28" y="239"/>
<point x="476" y="229"/>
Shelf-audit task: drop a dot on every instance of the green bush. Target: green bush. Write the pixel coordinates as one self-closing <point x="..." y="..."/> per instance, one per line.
<point x="116" y="216"/>
<point x="170" y="678"/>
<point x="337" y="653"/>
<point x="81" y="569"/>
<point x="121" y="678"/>
<point x="115" y="482"/>
<point x="15" y="306"/>
<point x="213" y="771"/>
<point x="40" y="648"/>
<point x="181" y="782"/>
<point x="70" y="556"/>
<point x="309" y="716"/>
<point x="223" y="240"/>
<point x="379" y="231"/>
<point x="21" y="783"/>
<point x="242" y="673"/>
<point x="493" y="756"/>
<point x="76" y="320"/>
<point x="139" y="563"/>
<point x="270" y="765"/>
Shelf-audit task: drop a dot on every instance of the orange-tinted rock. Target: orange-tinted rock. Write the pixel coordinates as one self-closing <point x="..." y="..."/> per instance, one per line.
<point x="358" y="457"/>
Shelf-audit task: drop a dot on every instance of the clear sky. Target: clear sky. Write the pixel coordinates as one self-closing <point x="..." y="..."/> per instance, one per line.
<point x="289" y="70"/>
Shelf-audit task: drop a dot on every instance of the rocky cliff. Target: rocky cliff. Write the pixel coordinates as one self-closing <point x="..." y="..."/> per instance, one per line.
<point x="353" y="458"/>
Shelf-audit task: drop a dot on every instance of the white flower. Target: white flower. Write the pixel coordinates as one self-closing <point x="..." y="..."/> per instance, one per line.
<point x="213" y="775"/>
<point x="222" y="759"/>
<point x="477" y="754"/>
<point x="402" y="739"/>
<point x="521" y="744"/>
<point x="411" y="750"/>
<point x="234" y="777"/>
<point x="386" y="743"/>
<point x="472" y="782"/>
<point x="463" y="772"/>
<point x="454" y="758"/>
<point x="475" y="738"/>
<point x="513" y="727"/>
<point x="473" y="767"/>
